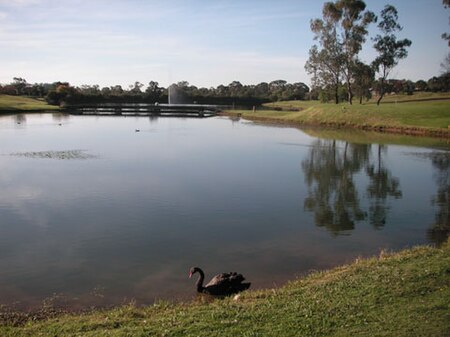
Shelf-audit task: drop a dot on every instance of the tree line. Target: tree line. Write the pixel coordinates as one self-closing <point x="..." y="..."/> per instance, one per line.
<point x="390" y="86"/>
<point x="234" y="93"/>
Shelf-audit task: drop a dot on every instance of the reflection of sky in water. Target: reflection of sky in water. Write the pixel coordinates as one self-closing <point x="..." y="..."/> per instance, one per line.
<point x="219" y="194"/>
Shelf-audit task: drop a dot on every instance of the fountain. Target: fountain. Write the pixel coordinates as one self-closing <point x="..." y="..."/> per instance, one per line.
<point x="176" y="95"/>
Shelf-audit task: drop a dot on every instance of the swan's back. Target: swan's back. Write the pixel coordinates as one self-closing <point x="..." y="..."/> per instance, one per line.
<point x="226" y="284"/>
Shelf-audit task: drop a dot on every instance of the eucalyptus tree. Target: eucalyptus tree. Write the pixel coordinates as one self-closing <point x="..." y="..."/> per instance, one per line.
<point x="135" y="89"/>
<point x="446" y="36"/>
<point x="153" y="91"/>
<point x="277" y="89"/>
<point x="19" y="85"/>
<point x="364" y="77"/>
<point x="235" y="89"/>
<point x="341" y="34"/>
<point x="262" y="89"/>
<point x="390" y="49"/>
<point x="421" y="85"/>
<point x="116" y="90"/>
<point x="351" y="20"/>
<point x="325" y="64"/>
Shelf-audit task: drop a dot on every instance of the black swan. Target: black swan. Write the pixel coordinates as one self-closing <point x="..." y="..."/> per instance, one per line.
<point x="220" y="285"/>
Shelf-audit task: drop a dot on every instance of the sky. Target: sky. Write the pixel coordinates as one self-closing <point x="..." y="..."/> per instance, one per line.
<point x="204" y="42"/>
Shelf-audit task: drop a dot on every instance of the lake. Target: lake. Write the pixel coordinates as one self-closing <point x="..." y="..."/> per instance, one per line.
<point x="100" y="211"/>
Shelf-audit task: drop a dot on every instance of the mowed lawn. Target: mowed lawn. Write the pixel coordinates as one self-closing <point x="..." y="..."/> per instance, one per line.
<point x="21" y="103"/>
<point x="432" y="114"/>
<point x="422" y="110"/>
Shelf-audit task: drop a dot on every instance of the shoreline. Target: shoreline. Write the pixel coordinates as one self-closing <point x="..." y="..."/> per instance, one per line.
<point x="418" y="115"/>
<point x="388" y="294"/>
<point x="416" y="131"/>
<point x="399" y="130"/>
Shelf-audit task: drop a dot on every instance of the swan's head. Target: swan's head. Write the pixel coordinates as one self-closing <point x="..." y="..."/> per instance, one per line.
<point x="193" y="270"/>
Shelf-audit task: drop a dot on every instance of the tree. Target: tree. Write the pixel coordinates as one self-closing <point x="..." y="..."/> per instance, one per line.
<point x="325" y="67"/>
<point x="407" y="87"/>
<point x="441" y="83"/>
<point x="19" y="85"/>
<point x="325" y="64"/>
<point x="262" y="89"/>
<point x="222" y="91"/>
<point x="351" y="21"/>
<point x="61" y="93"/>
<point x="153" y="90"/>
<point x="277" y="89"/>
<point x="299" y="90"/>
<point x="116" y="90"/>
<point x="445" y="65"/>
<point x="421" y="85"/>
<point x="235" y="89"/>
<point x="446" y="36"/>
<point x="135" y="89"/>
<point x="364" y="76"/>
<point x="390" y="50"/>
<point x="91" y="90"/>
<point x="183" y="84"/>
<point x="340" y="33"/>
<point x="105" y="92"/>
<point x="38" y="90"/>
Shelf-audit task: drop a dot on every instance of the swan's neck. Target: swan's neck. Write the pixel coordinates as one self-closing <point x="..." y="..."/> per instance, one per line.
<point x="200" y="281"/>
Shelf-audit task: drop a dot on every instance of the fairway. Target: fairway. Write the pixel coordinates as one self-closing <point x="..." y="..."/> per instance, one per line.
<point x="23" y="104"/>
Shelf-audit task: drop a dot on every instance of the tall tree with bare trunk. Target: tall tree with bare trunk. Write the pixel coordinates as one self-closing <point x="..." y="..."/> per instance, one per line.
<point x="390" y="49"/>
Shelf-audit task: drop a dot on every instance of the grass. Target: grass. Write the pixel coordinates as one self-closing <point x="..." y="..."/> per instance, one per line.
<point x="399" y="294"/>
<point x="427" y="114"/>
<point x="421" y="95"/>
<point x="10" y="103"/>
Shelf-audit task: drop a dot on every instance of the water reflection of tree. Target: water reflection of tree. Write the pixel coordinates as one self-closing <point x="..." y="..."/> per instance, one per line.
<point x="333" y="195"/>
<point x="381" y="185"/>
<point x="440" y="230"/>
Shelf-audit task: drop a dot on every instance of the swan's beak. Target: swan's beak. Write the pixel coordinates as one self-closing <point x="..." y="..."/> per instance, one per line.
<point x="190" y="274"/>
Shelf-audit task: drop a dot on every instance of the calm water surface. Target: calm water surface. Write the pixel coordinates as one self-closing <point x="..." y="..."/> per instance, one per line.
<point x="94" y="213"/>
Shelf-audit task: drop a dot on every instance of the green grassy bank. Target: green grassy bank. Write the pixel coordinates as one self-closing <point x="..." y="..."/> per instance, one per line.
<point x="400" y="294"/>
<point x="23" y="104"/>
<point x="417" y="115"/>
